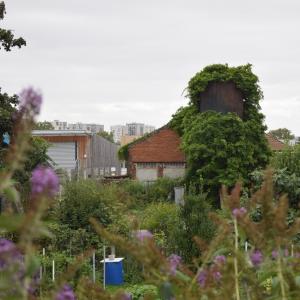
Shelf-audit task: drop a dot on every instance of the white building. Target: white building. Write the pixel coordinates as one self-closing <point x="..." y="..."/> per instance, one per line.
<point x="118" y="131"/>
<point x="130" y="129"/>
<point x="148" y="129"/>
<point x="91" y="127"/>
<point x="58" y="125"/>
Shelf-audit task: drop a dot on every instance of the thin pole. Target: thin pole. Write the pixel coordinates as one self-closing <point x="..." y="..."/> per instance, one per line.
<point x="53" y="270"/>
<point x="104" y="266"/>
<point x="246" y="246"/>
<point x="94" y="267"/>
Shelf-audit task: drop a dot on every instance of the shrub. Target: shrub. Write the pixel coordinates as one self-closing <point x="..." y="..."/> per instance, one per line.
<point x="82" y="200"/>
<point x="163" y="220"/>
<point x="195" y="221"/>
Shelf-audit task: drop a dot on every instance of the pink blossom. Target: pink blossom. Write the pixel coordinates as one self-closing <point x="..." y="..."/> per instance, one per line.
<point x="239" y="212"/>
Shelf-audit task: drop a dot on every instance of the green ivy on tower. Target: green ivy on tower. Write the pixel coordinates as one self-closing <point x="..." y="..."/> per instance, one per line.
<point x="222" y="149"/>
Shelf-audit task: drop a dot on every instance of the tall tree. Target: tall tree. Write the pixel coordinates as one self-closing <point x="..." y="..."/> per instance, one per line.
<point x="282" y="134"/>
<point x="108" y="136"/>
<point x="7" y="103"/>
<point x="7" y="38"/>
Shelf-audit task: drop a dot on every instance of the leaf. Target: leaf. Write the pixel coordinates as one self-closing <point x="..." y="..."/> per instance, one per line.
<point x="32" y="265"/>
<point x="11" y="222"/>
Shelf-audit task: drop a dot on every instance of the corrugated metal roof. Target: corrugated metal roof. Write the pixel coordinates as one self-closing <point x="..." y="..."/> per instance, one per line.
<point x="60" y="133"/>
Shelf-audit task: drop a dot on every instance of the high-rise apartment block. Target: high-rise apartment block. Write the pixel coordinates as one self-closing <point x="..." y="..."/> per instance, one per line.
<point x="130" y="130"/>
<point x="118" y="131"/>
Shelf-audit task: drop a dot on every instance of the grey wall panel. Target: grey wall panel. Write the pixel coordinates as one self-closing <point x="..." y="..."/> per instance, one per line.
<point x="103" y="154"/>
<point x="63" y="154"/>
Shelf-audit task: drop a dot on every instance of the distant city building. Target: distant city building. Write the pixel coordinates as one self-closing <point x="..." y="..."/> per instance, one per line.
<point x="136" y="129"/>
<point x="129" y="130"/>
<point x="118" y="131"/>
<point x="148" y="129"/>
<point x="58" y="125"/>
<point x="89" y="127"/>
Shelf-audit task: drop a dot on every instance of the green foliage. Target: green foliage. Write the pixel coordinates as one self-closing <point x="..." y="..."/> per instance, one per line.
<point x="107" y="135"/>
<point x="45" y="125"/>
<point x="82" y="200"/>
<point x="195" y="221"/>
<point x="221" y="149"/>
<point x="162" y="219"/>
<point x="139" y="291"/>
<point x="182" y="117"/>
<point x="7" y="38"/>
<point x="288" y="159"/>
<point x="283" y="134"/>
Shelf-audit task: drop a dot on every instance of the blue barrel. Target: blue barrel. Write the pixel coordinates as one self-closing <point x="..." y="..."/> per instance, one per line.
<point x="114" y="271"/>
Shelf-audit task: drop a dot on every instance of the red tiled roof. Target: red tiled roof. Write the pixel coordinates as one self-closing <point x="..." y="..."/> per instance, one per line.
<point x="274" y="143"/>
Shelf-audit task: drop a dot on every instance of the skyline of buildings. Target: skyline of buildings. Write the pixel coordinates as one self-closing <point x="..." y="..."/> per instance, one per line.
<point x="128" y="132"/>
<point x="131" y="130"/>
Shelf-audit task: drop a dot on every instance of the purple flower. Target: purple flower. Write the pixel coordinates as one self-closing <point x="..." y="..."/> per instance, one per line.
<point x="9" y="254"/>
<point x="220" y="259"/>
<point x="217" y="275"/>
<point x="286" y="252"/>
<point x="239" y="212"/>
<point x="143" y="234"/>
<point x="174" y="261"/>
<point x="274" y="254"/>
<point x="256" y="258"/>
<point x="126" y="296"/>
<point x="44" y="180"/>
<point x="201" y="278"/>
<point x="30" y="100"/>
<point x="66" y="293"/>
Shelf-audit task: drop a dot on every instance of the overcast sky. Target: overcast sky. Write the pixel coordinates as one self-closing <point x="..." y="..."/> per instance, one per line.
<point x="117" y="61"/>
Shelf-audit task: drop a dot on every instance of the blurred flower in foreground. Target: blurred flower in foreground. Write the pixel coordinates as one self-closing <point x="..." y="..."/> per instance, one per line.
<point x="174" y="261"/>
<point x="126" y="296"/>
<point x="30" y="100"/>
<point x="66" y="293"/>
<point x="220" y="259"/>
<point x="44" y="180"/>
<point x="9" y="253"/>
<point x="239" y="212"/>
<point x="143" y="234"/>
<point x="201" y="278"/>
<point x="256" y="258"/>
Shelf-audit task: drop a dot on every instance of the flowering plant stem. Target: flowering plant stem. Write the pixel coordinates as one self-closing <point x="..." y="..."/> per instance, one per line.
<point x="236" y="236"/>
<point x="280" y="276"/>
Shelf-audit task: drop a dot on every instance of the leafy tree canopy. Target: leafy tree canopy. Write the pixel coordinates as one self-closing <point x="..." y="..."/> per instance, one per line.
<point x="107" y="135"/>
<point x="7" y="103"/>
<point x="7" y="38"/>
<point x="283" y="134"/>
<point x="45" y="125"/>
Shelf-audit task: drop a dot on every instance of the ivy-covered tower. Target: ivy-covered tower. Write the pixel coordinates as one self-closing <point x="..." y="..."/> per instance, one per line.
<point x="222" y="128"/>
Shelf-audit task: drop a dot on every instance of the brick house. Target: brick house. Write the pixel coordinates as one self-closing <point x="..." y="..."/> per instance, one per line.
<point x="157" y="155"/>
